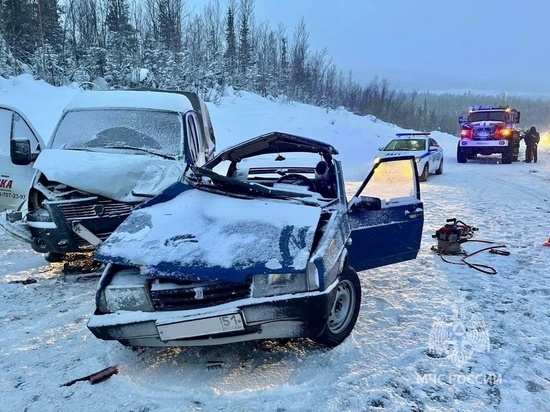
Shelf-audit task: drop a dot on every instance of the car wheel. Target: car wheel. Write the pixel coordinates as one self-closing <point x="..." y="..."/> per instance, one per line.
<point x="461" y="156"/>
<point x="507" y="157"/>
<point x="425" y="172"/>
<point x="54" y="257"/>
<point x="439" y="170"/>
<point x="344" y="309"/>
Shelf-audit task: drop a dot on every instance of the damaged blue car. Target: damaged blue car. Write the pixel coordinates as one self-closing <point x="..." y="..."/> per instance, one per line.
<point x="262" y="242"/>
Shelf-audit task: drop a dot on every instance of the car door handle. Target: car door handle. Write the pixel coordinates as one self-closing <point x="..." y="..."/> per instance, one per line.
<point x="414" y="212"/>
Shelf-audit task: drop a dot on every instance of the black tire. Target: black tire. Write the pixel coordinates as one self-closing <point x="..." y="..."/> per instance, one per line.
<point x="344" y="309"/>
<point x="439" y="170"/>
<point x="461" y="155"/>
<point x="425" y="172"/>
<point x="507" y="157"/>
<point x="54" y="257"/>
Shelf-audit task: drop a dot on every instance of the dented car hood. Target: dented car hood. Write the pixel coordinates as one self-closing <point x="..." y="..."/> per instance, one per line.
<point x="199" y="235"/>
<point x="112" y="175"/>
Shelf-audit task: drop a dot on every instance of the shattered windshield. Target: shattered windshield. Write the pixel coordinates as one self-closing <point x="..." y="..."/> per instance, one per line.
<point x="153" y="131"/>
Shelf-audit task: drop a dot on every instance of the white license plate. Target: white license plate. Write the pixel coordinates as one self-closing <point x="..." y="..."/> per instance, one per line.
<point x="199" y="327"/>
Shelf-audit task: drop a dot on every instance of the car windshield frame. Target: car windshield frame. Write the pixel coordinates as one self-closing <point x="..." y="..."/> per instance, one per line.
<point x="231" y="186"/>
<point x="159" y="132"/>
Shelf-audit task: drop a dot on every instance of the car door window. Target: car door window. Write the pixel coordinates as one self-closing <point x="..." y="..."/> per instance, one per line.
<point x="391" y="182"/>
<point x="386" y="215"/>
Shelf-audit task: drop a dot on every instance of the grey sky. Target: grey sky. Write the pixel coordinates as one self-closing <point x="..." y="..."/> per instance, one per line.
<point x="494" y="45"/>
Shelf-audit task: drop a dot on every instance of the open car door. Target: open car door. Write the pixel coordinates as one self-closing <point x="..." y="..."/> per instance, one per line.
<point x="386" y="215"/>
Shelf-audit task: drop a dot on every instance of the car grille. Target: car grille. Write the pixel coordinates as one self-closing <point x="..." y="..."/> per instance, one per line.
<point x="197" y="295"/>
<point x="101" y="208"/>
<point x="100" y="216"/>
<point x="483" y="132"/>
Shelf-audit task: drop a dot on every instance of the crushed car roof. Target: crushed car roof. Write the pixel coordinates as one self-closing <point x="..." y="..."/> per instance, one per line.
<point x="274" y="142"/>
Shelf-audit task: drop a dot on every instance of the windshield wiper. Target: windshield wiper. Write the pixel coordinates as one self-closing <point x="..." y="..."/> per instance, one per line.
<point x="141" y="149"/>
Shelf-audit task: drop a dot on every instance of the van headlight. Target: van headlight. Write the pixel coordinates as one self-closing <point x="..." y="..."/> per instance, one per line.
<point x="278" y="284"/>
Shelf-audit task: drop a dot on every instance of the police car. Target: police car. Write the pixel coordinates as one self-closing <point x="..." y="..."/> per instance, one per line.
<point x="428" y="153"/>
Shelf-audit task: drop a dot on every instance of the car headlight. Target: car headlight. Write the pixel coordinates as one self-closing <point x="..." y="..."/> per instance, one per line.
<point x="417" y="159"/>
<point x="126" y="292"/>
<point x="278" y="284"/>
<point x="133" y="298"/>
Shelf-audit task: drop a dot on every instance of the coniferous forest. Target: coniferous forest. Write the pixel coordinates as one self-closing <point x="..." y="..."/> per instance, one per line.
<point x="164" y="44"/>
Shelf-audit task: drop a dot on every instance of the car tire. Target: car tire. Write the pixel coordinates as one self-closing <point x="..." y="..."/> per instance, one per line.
<point x="507" y="157"/>
<point x="344" y="309"/>
<point x="54" y="257"/>
<point x="461" y="155"/>
<point x="425" y="172"/>
<point x="439" y="170"/>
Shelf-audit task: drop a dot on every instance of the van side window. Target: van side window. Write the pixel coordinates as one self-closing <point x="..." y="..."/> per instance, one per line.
<point x="5" y="132"/>
<point x="195" y="139"/>
<point x="22" y="130"/>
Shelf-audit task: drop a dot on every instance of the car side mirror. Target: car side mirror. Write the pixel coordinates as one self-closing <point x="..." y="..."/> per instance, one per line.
<point x="363" y="203"/>
<point x="20" y="152"/>
<point x="432" y="149"/>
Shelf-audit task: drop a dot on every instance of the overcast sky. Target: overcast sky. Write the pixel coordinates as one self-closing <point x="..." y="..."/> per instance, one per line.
<point x="496" y="45"/>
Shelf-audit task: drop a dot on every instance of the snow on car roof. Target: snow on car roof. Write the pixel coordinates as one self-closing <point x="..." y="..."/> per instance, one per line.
<point x="139" y="99"/>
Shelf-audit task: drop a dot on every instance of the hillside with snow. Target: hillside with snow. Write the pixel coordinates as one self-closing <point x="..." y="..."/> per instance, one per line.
<point x="393" y="361"/>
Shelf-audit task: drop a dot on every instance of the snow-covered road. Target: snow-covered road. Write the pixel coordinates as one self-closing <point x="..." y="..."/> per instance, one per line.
<point x="410" y="350"/>
<point x="385" y="365"/>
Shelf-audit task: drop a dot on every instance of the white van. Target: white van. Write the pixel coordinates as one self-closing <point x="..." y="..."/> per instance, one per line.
<point x="110" y="151"/>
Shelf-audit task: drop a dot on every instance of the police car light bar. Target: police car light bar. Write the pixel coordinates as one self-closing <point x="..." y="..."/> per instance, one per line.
<point x="413" y="134"/>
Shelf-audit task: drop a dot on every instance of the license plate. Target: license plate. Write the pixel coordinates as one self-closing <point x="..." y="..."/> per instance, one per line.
<point x="198" y="327"/>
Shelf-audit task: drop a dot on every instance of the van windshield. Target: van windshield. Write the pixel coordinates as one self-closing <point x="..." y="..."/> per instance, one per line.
<point x="159" y="132"/>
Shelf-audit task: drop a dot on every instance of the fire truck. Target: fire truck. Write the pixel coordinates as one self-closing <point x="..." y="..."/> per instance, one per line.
<point x="489" y="130"/>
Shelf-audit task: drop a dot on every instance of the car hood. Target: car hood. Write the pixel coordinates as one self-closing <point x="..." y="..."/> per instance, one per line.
<point x="198" y="235"/>
<point x="112" y="175"/>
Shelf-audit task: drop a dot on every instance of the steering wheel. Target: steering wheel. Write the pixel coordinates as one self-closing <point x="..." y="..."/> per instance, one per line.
<point x="296" y="179"/>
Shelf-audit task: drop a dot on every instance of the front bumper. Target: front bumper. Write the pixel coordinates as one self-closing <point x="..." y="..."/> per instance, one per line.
<point x="11" y="223"/>
<point x="301" y="315"/>
<point x="55" y="228"/>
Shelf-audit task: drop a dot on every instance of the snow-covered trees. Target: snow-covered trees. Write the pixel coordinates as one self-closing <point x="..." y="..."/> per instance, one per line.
<point x="160" y="43"/>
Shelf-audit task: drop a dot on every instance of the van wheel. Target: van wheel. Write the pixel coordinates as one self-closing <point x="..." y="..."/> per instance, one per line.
<point x="425" y="172"/>
<point x="344" y="309"/>
<point x="54" y="257"/>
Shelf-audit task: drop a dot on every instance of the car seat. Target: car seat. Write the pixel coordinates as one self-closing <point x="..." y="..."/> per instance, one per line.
<point x="324" y="180"/>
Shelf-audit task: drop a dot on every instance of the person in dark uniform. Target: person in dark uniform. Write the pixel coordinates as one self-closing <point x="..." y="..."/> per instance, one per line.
<point x="531" y="139"/>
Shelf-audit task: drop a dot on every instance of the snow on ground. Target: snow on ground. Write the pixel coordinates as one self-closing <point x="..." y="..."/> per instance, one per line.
<point x="398" y="357"/>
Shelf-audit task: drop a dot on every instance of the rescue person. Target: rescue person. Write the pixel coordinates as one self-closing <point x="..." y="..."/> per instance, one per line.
<point x="531" y="139"/>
